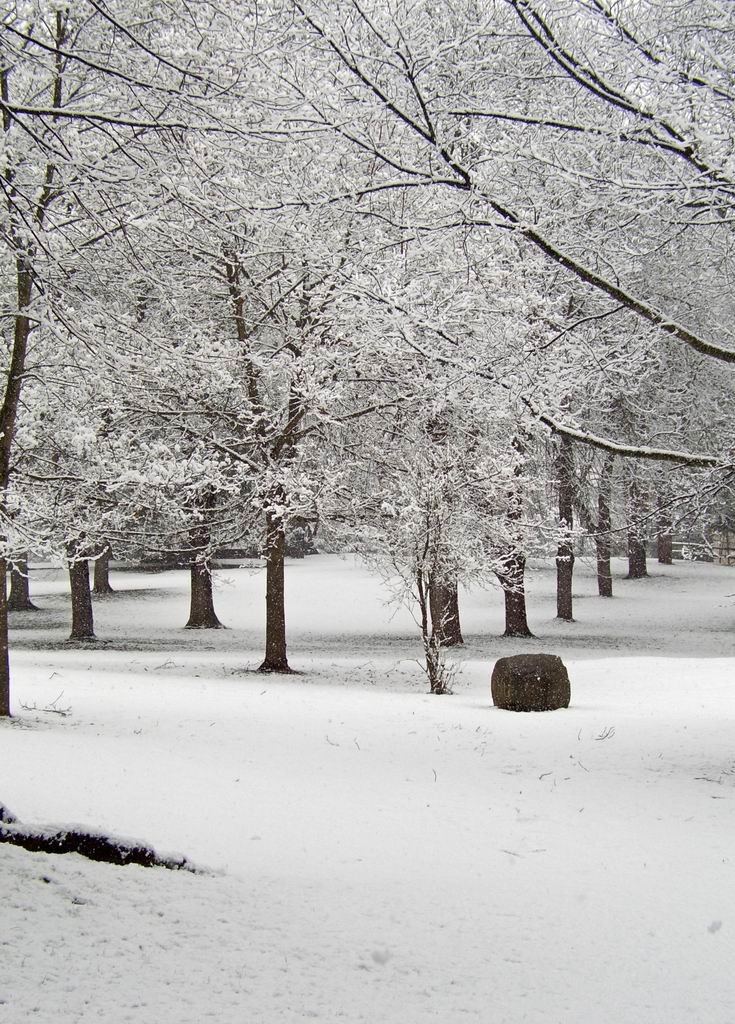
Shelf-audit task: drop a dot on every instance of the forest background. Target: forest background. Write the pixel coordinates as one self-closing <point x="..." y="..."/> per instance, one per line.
<point x="449" y="284"/>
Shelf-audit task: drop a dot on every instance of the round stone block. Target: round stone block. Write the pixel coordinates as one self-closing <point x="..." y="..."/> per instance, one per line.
<point x="530" y="682"/>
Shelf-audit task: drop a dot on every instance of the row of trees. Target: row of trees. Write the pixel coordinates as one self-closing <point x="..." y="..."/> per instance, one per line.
<point x="439" y="275"/>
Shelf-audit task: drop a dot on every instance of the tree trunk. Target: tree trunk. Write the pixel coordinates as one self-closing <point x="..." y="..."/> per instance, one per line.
<point x="665" y="547"/>
<point x="514" y="564"/>
<point x="201" y="610"/>
<point x="514" y="592"/>
<point x="435" y="667"/>
<point x="637" y="568"/>
<point x="4" y="660"/>
<point x="664" y="525"/>
<point x="444" y="607"/>
<point x="82" y="618"/>
<point x="20" y="596"/>
<point x="275" y="610"/>
<point x="565" y="550"/>
<point x="8" y="422"/>
<point x="604" y="522"/>
<point x="102" y="571"/>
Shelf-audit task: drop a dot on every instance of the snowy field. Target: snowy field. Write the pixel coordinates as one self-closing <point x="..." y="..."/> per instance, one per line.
<point x="371" y="853"/>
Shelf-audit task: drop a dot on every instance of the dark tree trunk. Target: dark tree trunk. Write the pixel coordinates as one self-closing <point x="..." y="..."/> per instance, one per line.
<point x="20" y="237"/>
<point x="433" y="659"/>
<point x="604" y="522"/>
<point x="565" y="550"/>
<point x="514" y="592"/>
<point x="275" y="610"/>
<point x="20" y="596"/>
<point x="637" y="567"/>
<point x="4" y="660"/>
<point x="444" y="607"/>
<point x="82" y="618"/>
<point x="201" y="610"/>
<point x="665" y="547"/>
<point x="8" y="421"/>
<point x="514" y="564"/>
<point x="102" y="571"/>
<point x="564" y="579"/>
<point x="664" y="524"/>
<point x="422" y="590"/>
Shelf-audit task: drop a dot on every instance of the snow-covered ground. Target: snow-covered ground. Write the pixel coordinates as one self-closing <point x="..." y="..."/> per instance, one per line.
<point x="372" y="853"/>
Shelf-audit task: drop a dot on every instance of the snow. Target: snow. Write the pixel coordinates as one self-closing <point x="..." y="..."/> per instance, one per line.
<point x="369" y="852"/>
